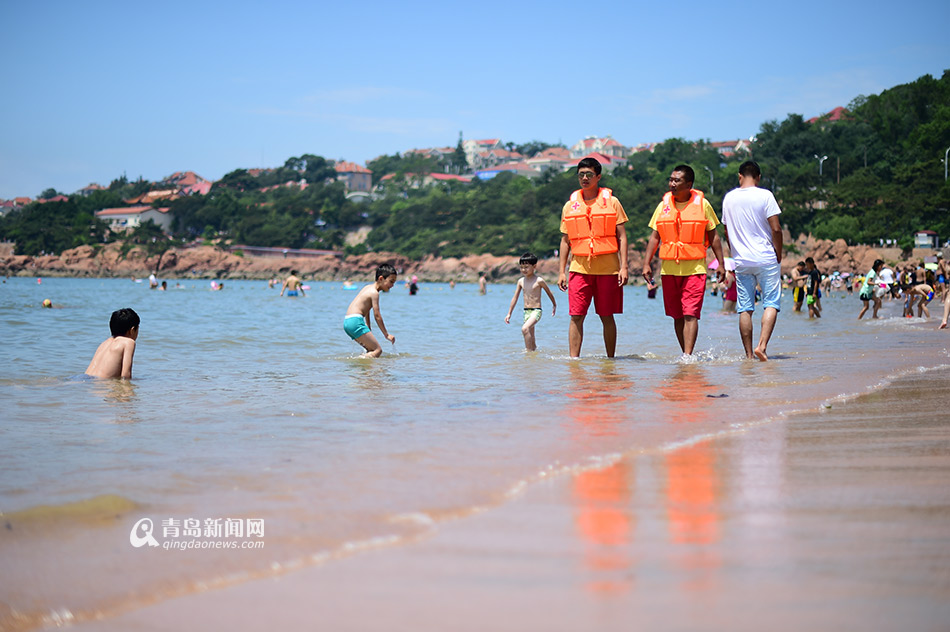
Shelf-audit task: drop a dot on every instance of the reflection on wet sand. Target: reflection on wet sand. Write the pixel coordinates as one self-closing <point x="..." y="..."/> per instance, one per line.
<point x="603" y="516"/>
<point x="692" y="483"/>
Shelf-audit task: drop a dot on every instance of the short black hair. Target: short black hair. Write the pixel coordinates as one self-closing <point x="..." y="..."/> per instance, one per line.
<point x="590" y="163"/>
<point x="877" y="264"/>
<point x="385" y="270"/>
<point x="687" y="171"/>
<point x="809" y="260"/>
<point x="123" y="320"/>
<point x="529" y="258"/>
<point x="750" y="169"/>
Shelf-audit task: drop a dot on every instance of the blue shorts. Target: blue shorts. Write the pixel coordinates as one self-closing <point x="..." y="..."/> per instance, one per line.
<point x="292" y="293"/>
<point x="355" y="326"/>
<point x="769" y="277"/>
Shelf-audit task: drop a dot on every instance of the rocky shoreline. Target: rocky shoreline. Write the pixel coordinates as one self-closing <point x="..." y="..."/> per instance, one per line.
<point x="211" y="262"/>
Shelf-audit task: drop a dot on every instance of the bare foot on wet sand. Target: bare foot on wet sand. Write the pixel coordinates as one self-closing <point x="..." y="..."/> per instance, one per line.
<point x="760" y="354"/>
<point x="942" y="326"/>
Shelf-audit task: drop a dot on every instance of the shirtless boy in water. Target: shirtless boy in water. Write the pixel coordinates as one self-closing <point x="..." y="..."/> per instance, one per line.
<point x="532" y="285"/>
<point x="293" y="285"/>
<point x="113" y="358"/>
<point x="356" y="322"/>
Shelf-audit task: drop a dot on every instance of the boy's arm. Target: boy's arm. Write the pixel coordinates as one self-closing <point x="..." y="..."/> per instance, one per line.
<point x="379" y="319"/>
<point x="514" y="300"/>
<point x="544" y="286"/>
<point x="128" y="350"/>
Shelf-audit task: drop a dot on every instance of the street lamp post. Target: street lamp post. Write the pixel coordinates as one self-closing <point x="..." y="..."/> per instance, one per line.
<point x="821" y="161"/>
<point x="945" y="154"/>
<point x="712" y="181"/>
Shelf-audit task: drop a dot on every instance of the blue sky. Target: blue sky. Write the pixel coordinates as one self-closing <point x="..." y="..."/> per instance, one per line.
<point x="92" y="90"/>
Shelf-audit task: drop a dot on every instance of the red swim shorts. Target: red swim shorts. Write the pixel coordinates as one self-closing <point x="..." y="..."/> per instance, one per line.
<point x="683" y="295"/>
<point x="606" y="293"/>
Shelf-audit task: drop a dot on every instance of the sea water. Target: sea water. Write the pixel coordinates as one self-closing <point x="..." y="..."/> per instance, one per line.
<point x="254" y="411"/>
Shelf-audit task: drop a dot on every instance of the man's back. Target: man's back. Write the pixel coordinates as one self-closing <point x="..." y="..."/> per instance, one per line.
<point x="745" y="212"/>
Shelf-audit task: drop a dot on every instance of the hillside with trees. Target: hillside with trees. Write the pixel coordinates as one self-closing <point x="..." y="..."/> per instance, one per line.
<point x="883" y="178"/>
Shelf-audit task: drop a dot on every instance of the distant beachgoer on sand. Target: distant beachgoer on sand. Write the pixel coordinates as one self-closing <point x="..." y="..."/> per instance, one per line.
<point x="922" y="294"/>
<point x="754" y="233"/>
<point x="946" y="314"/>
<point x="813" y="298"/>
<point x="113" y="358"/>
<point x="869" y="292"/>
<point x="293" y="285"/>
<point x="356" y="321"/>
<point x="943" y="277"/>
<point x="482" y="284"/>
<point x="532" y="285"/>
<point x="799" y="278"/>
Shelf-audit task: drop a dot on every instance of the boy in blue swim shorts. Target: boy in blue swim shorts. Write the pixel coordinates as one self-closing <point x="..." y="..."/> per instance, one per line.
<point x="356" y="321"/>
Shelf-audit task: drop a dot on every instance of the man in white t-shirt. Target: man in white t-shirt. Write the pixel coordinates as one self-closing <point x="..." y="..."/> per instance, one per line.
<point x="886" y="278"/>
<point x="750" y="215"/>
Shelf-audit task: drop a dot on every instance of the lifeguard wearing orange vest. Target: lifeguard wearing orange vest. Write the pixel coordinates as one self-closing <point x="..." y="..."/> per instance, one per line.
<point x="594" y="240"/>
<point x="684" y="226"/>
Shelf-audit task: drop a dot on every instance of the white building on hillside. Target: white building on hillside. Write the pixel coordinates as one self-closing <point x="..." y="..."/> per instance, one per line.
<point x="129" y="217"/>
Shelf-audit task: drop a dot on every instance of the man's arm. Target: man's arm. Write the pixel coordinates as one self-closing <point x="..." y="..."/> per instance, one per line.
<point x="776" y="227"/>
<point x="545" y="287"/>
<point x="622" y="244"/>
<point x="652" y="244"/>
<point x="128" y="351"/>
<point x="716" y="245"/>
<point x="563" y="254"/>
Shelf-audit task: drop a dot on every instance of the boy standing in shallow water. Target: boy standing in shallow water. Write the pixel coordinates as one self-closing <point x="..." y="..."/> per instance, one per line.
<point x="356" y="322"/>
<point x="113" y="358"/>
<point x="532" y="285"/>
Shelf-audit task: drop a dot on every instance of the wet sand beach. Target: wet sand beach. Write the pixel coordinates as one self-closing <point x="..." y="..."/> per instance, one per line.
<point x="835" y="519"/>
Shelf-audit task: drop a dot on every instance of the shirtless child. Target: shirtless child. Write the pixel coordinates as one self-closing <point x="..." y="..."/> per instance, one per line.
<point x="113" y="358"/>
<point x="356" y="322"/>
<point x="532" y="286"/>
<point x="922" y="294"/>
<point x="293" y="285"/>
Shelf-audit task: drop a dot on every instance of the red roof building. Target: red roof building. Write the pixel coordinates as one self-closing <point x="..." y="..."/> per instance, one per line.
<point x="355" y="177"/>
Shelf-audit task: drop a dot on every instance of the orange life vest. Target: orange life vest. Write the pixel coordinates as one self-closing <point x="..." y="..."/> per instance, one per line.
<point x="682" y="232"/>
<point x="591" y="229"/>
